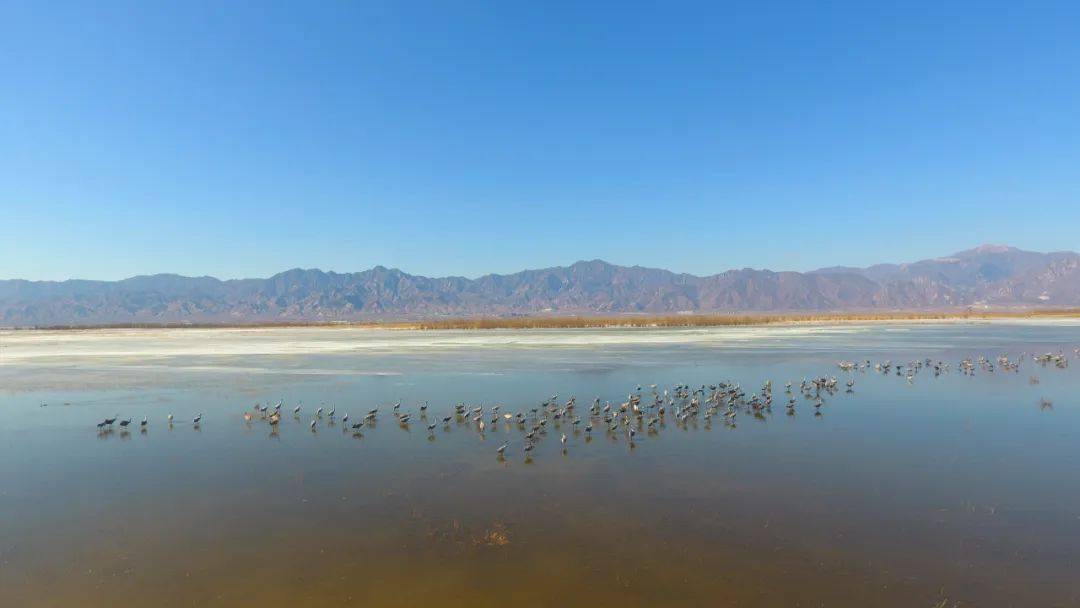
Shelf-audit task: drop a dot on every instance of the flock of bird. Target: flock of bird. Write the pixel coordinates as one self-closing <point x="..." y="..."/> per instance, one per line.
<point x="107" y="424"/>
<point x="644" y="412"/>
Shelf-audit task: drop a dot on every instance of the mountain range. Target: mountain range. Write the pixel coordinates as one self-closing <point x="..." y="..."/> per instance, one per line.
<point x="989" y="276"/>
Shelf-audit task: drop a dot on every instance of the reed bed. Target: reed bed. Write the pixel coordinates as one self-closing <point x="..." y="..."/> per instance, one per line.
<point x="616" y="321"/>
<point x="720" y="320"/>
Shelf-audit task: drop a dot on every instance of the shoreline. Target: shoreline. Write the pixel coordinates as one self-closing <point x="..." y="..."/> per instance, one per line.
<point x="599" y="322"/>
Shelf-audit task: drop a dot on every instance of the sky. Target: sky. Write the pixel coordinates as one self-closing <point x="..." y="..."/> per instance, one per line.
<point x="239" y="139"/>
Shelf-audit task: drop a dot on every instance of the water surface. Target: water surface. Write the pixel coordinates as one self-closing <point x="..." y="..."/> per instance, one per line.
<point x="963" y="488"/>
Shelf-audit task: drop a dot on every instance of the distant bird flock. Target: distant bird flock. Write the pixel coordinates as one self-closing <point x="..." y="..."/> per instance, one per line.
<point x="644" y="413"/>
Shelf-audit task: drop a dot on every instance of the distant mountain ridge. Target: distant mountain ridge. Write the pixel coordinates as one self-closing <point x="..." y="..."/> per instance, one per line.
<point x="987" y="276"/>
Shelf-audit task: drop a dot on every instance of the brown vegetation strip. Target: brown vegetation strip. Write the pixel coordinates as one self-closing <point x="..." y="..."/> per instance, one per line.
<point x="626" y="320"/>
<point x="722" y="320"/>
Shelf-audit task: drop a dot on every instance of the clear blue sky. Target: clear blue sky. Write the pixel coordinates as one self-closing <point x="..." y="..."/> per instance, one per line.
<point x="241" y="139"/>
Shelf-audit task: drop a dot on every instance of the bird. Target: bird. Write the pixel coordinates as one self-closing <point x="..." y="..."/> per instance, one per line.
<point x="144" y="422"/>
<point x="312" y="425"/>
<point x="197" y="420"/>
<point x="502" y="448"/>
<point x="124" y="423"/>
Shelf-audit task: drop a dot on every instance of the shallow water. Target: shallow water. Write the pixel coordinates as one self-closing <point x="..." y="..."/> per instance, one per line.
<point x="956" y="487"/>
